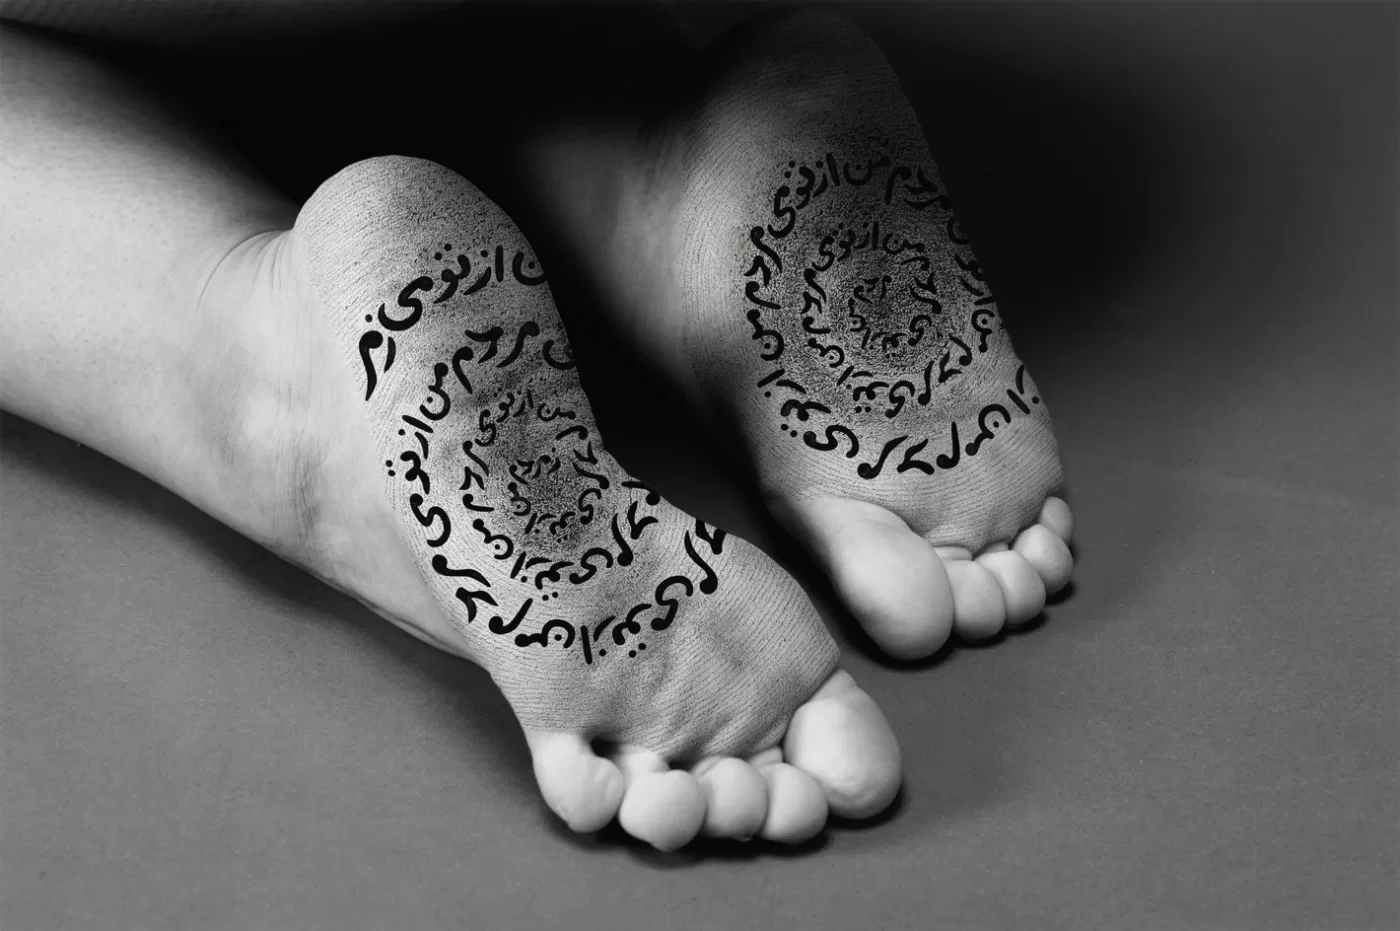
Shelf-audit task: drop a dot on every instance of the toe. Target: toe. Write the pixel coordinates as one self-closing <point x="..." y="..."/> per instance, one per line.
<point x="1055" y="515"/>
<point x="736" y="798"/>
<point x="578" y="785"/>
<point x="661" y="806"/>
<point x="979" y="608"/>
<point x="1020" y="584"/>
<point x="887" y="575"/>
<point x="1047" y="554"/>
<point x="796" y="805"/>
<point x="841" y="739"/>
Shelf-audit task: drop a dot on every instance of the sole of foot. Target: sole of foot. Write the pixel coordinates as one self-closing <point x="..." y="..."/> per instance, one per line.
<point x="735" y="722"/>
<point x="777" y="236"/>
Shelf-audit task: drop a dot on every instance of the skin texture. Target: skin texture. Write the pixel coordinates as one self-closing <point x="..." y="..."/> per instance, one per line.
<point x="197" y="255"/>
<point x="777" y="235"/>
<point x="664" y="214"/>
<point x="714" y="669"/>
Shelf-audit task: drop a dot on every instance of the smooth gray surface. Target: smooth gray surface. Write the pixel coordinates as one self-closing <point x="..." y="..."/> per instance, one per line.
<point x="1191" y="215"/>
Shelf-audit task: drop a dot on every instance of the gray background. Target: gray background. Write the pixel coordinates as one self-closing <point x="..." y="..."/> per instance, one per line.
<point x="1190" y="212"/>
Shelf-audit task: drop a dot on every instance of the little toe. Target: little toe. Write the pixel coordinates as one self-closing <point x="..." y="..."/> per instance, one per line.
<point x="578" y="785"/>
<point x="664" y="807"/>
<point x="736" y="798"/>
<point x="885" y="574"/>
<point x="841" y="739"/>
<point x="796" y="805"/>
<point x="1056" y="515"/>
<point x="1047" y="554"/>
<point x="979" y="607"/>
<point x="1020" y="584"/>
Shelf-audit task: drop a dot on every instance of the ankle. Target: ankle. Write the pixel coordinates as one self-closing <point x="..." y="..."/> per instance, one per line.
<point x="255" y="398"/>
<point x="293" y="441"/>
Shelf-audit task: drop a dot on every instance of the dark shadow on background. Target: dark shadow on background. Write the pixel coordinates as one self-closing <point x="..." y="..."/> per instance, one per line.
<point x="1055" y="181"/>
<point x="1085" y="142"/>
<point x="613" y="840"/>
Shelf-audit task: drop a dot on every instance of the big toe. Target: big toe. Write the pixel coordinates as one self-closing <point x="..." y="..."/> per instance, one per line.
<point x="889" y="578"/>
<point x="841" y="739"/>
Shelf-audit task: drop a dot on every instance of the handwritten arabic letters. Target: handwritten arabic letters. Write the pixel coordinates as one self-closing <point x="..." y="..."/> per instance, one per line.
<point x="869" y="312"/>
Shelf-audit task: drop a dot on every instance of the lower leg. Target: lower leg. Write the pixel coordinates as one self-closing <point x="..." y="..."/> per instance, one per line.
<point x="115" y="219"/>
<point x="209" y="366"/>
<point x="146" y="312"/>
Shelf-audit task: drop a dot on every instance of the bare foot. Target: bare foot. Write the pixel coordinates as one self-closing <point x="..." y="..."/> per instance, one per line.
<point x="777" y="233"/>
<point x="427" y="448"/>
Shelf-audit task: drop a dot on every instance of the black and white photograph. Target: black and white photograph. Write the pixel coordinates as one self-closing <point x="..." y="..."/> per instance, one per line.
<point x="699" y="464"/>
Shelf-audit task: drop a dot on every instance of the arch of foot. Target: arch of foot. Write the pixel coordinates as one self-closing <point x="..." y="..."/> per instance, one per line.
<point x="837" y="310"/>
<point x="863" y="353"/>
<point x="596" y="607"/>
<point x="876" y="359"/>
